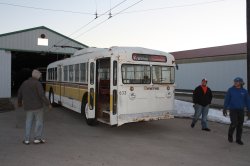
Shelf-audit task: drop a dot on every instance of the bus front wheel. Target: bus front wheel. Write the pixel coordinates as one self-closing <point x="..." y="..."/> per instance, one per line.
<point x="84" y="112"/>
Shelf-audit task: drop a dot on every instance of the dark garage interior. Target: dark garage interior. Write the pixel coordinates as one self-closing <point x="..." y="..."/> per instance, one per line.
<point x="24" y="62"/>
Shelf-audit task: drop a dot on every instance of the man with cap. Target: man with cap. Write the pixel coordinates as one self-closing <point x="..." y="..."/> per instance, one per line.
<point x="31" y="97"/>
<point x="202" y="97"/>
<point x="236" y="100"/>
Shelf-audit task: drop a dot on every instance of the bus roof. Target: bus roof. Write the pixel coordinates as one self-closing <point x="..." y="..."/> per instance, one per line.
<point x="118" y="49"/>
<point x="122" y="51"/>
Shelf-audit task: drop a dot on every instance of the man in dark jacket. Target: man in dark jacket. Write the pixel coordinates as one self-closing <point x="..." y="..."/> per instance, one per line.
<point x="31" y="96"/>
<point x="202" y="97"/>
<point x="236" y="100"/>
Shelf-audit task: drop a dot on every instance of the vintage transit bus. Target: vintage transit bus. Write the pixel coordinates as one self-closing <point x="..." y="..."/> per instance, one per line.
<point x="114" y="85"/>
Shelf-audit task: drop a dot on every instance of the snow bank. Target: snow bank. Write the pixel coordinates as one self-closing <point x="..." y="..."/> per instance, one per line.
<point x="185" y="109"/>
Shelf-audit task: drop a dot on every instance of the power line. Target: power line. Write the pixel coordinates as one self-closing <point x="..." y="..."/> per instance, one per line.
<point x="98" y="17"/>
<point x="71" y="35"/>
<point x="122" y="12"/>
<point x="86" y="13"/>
<point x="108" y="19"/>
<point x="105" y="13"/>
<point x="45" y="9"/>
<point x="89" y="22"/>
<point x="176" y="6"/>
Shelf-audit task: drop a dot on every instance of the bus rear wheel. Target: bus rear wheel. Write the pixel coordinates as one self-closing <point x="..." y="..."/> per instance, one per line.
<point x="51" y="97"/>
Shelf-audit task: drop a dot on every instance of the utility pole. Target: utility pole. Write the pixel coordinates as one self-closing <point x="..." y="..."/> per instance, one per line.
<point x="248" y="44"/>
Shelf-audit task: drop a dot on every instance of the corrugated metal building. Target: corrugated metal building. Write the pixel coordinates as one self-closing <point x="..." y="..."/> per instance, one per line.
<point x="220" y="65"/>
<point x="24" y="50"/>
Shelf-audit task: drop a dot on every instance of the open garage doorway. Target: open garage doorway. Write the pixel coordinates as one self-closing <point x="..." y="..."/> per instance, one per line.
<point x="22" y="64"/>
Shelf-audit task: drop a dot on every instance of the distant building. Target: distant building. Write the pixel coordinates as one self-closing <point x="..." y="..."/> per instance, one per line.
<point x="28" y="49"/>
<point x="220" y="65"/>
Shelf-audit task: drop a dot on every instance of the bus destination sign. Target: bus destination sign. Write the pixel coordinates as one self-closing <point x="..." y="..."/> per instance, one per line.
<point x="147" y="57"/>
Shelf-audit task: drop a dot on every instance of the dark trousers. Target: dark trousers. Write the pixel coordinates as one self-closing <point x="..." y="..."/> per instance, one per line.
<point x="237" y="120"/>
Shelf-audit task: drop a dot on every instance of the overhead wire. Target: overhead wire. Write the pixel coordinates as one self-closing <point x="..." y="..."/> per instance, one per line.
<point x="87" y="13"/>
<point x="108" y="19"/>
<point x="89" y="23"/>
<point x="45" y="9"/>
<point x="122" y="11"/>
<point x="176" y="6"/>
<point x="105" y="13"/>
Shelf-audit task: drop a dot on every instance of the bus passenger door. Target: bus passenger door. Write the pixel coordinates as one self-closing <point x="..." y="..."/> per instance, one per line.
<point x="113" y="91"/>
<point x="90" y="110"/>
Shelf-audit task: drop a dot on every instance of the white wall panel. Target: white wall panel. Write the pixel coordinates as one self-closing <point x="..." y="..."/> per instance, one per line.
<point x="220" y="74"/>
<point x="5" y="74"/>
<point x="27" y="41"/>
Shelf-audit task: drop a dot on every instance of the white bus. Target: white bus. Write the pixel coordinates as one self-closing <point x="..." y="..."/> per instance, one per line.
<point x="114" y="85"/>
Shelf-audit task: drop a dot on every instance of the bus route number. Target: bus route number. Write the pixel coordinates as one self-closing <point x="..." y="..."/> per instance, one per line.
<point x="122" y="92"/>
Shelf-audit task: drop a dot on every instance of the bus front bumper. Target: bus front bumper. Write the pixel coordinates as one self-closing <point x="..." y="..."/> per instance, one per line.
<point x="141" y="117"/>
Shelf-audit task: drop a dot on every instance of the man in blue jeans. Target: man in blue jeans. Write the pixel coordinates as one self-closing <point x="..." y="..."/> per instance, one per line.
<point x="31" y="96"/>
<point x="236" y="100"/>
<point x="202" y="97"/>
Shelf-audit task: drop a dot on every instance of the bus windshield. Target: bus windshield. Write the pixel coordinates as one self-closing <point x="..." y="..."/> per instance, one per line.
<point x="136" y="74"/>
<point x="163" y="74"/>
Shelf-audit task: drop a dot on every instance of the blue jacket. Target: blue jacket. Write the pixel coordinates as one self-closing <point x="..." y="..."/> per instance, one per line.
<point x="236" y="99"/>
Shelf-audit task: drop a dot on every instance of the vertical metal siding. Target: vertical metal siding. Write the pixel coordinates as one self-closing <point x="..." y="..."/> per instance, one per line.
<point x="27" y="41"/>
<point x="5" y="74"/>
<point x="220" y="74"/>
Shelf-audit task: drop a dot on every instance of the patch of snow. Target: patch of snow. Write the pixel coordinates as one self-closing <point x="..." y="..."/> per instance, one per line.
<point x="185" y="109"/>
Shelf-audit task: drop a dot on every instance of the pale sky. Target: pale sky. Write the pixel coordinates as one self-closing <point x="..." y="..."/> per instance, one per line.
<point x="166" y="25"/>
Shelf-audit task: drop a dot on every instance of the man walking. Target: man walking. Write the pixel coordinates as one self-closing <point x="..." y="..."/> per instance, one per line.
<point x="202" y="97"/>
<point x="31" y="96"/>
<point x="235" y="101"/>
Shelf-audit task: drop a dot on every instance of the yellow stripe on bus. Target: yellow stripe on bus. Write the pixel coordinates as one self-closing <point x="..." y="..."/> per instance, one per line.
<point x="67" y="91"/>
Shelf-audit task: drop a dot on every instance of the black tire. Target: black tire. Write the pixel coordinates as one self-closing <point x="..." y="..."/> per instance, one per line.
<point x="51" y="97"/>
<point x="89" y="121"/>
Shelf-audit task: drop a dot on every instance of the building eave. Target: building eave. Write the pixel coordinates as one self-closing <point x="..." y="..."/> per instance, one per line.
<point x="233" y="49"/>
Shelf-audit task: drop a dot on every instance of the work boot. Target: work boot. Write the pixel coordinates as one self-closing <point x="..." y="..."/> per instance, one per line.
<point x="206" y="129"/>
<point x="39" y="141"/>
<point x="239" y="142"/>
<point x="26" y="142"/>
<point x="192" y="125"/>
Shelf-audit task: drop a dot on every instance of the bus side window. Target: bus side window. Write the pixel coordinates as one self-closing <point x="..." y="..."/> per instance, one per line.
<point x="114" y="73"/>
<point x="71" y="74"/>
<point x="52" y="74"/>
<point x="76" y="72"/>
<point x="87" y="73"/>
<point x="65" y="73"/>
<point x="55" y="74"/>
<point x="48" y="74"/>
<point x="83" y="71"/>
<point x="92" y="68"/>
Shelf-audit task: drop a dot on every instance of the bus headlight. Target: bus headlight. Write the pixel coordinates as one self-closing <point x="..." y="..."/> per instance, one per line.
<point x="132" y="96"/>
<point x="169" y="94"/>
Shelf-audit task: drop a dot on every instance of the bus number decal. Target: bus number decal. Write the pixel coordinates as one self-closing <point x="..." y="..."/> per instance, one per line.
<point x="122" y="92"/>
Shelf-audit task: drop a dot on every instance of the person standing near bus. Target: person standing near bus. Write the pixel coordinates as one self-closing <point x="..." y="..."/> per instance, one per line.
<point x="202" y="97"/>
<point x="236" y="100"/>
<point x="31" y="96"/>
